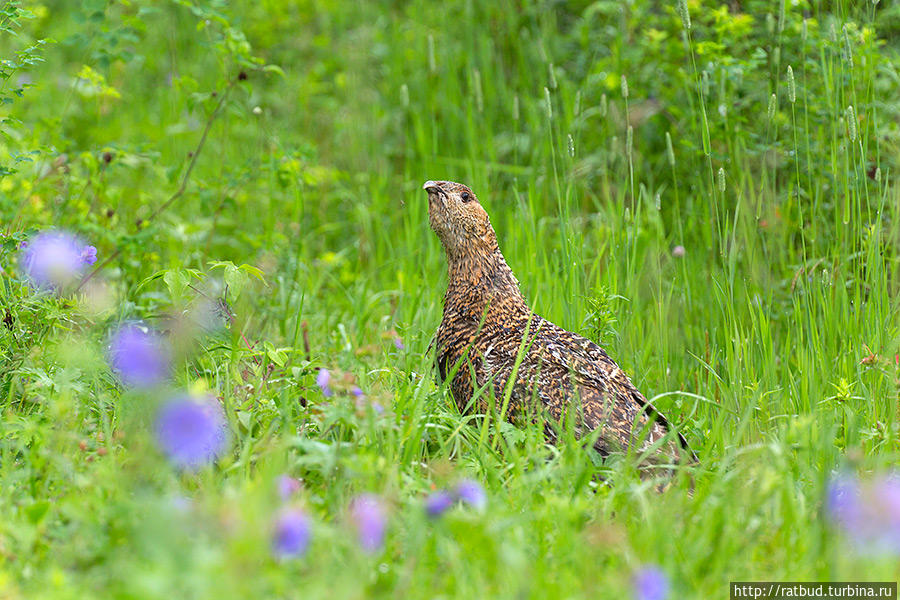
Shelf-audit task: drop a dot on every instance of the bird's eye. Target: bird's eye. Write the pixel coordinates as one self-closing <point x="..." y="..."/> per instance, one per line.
<point x="466" y="196"/>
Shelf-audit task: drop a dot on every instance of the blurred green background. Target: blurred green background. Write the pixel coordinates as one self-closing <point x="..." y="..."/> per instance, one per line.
<point x="708" y="189"/>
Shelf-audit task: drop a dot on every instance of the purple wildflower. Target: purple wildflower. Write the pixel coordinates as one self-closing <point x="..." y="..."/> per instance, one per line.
<point x="356" y="391"/>
<point x="322" y="380"/>
<point x="369" y="519"/>
<point x="437" y="503"/>
<point x="869" y="514"/>
<point x="139" y="356"/>
<point x="887" y="494"/>
<point x="844" y="502"/>
<point x="287" y="486"/>
<point x="88" y="255"/>
<point x="291" y="534"/>
<point x="191" y="431"/>
<point x="678" y="251"/>
<point x="471" y="492"/>
<point x="398" y="343"/>
<point x="53" y="259"/>
<point x="650" y="583"/>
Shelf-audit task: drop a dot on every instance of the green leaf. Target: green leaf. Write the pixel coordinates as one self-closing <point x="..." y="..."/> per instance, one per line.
<point x="276" y="355"/>
<point x="254" y="271"/>
<point x="150" y="279"/>
<point x="235" y="279"/>
<point x="273" y="69"/>
<point x="244" y="419"/>
<point x="177" y="281"/>
<point x="37" y="511"/>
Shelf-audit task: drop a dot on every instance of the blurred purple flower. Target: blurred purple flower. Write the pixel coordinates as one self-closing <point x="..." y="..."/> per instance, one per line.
<point x="181" y="504"/>
<point x="291" y="534"/>
<point x="88" y="255"/>
<point x="357" y="392"/>
<point x="191" y="431"/>
<point x="844" y="502"/>
<point x="287" y="486"/>
<point x="54" y="259"/>
<point x="471" y="492"/>
<point x="678" y="251"/>
<point x="322" y="380"/>
<point x="437" y="503"/>
<point x="398" y="343"/>
<point x="887" y="493"/>
<point x="869" y="514"/>
<point x="369" y="519"/>
<point x="650" y="583"/>
<point x="139" y="356"/>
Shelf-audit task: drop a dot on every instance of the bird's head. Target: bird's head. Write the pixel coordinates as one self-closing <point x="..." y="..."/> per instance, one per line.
<point x="459" y="220"/>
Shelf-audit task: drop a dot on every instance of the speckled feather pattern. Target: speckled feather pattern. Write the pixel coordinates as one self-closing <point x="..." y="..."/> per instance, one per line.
<point x="561" y="377"/>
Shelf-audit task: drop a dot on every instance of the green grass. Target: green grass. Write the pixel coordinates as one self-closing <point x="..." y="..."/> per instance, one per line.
<point x="772" y="341"/>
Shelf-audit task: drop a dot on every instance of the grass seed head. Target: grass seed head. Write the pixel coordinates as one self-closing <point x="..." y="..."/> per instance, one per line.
<point x="432" y="63"/>
<point x="851" y="123"/>
<point x="404" y="96"/>
<point x="685" y="14"/>
<point x="792" y="87"/>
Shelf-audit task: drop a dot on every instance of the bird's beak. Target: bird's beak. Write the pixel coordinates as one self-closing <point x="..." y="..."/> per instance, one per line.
<point x="432" y="187"/>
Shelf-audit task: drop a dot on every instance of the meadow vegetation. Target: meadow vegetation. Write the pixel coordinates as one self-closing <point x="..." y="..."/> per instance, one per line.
<point x="707" y="189"/>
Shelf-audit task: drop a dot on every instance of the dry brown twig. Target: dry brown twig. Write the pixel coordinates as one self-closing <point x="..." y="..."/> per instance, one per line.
<point x="181" y="188"/>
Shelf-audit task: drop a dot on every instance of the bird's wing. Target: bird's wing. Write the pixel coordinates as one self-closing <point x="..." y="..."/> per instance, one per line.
<point x="593" y="367"/>
<point x="556" y="367"/>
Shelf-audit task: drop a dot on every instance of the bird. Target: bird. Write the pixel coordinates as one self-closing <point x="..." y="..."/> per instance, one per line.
<point x="494" y="348"/>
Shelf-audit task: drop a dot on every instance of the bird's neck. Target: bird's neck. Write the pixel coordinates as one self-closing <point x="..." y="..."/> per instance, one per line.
<point x="479" y="280"/>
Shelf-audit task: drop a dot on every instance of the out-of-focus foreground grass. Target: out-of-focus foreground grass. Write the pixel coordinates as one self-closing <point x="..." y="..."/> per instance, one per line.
<point x="707" y="189"/>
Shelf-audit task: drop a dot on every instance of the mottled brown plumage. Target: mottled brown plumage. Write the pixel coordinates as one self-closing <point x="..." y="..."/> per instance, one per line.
<point x="561" y="377"/>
